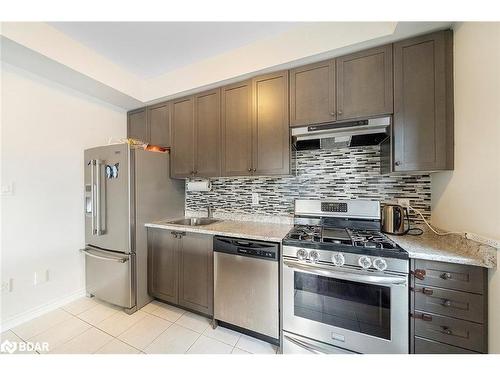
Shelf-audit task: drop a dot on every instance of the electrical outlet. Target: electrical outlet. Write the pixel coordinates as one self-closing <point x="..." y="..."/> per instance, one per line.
<point x="403" y="202"/>
<point x="255" y="199"/>
<point x="41" y="277"/>
<point x="483" y="240"/>
<point x="7" y="286"/>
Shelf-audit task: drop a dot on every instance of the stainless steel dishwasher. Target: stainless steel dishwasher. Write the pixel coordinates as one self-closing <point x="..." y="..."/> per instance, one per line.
<point x="246" y="288"/>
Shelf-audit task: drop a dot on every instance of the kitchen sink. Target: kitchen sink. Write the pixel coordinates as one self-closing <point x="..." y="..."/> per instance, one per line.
<point x="194" y="221"/>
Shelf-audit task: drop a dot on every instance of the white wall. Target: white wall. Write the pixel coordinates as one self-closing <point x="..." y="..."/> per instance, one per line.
<point x="45" y="128"/>
<point x="468" y="198"/>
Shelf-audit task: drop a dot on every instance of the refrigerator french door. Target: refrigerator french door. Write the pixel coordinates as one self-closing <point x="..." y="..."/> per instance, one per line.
<point x="110" y="258"/>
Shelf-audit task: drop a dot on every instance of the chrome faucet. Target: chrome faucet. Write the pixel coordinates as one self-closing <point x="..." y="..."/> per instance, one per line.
<point x="210" y="210"/>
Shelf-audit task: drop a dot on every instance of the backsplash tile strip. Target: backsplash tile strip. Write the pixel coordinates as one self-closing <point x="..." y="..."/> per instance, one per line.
<point x="345" y="173"/>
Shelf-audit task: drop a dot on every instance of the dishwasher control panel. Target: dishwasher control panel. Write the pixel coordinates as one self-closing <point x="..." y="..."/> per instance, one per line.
<point x="247" y="248"/>
<point x="257" y="253"/>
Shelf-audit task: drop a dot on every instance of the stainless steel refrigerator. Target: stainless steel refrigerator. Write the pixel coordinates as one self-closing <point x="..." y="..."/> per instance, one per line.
<point x="124" y="189"/>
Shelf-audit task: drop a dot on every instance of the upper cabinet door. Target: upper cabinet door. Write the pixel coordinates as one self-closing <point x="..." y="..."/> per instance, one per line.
<point x="312" y="94"/>
<point x="182" y="138"/>
<point x="423" y="105"/>
<point x="137" y="126"/>
<point x="159" y="124"/>
<point x="271" y="130"/>
<point x="207" y="134"/>
<point x="364" y="83"/>
<point x="237" y="129"/>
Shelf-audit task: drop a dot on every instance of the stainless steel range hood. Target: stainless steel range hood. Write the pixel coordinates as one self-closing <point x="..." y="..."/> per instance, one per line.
<point x="342" y="134"/>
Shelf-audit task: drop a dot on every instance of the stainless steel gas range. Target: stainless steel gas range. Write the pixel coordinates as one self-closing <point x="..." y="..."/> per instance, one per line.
<point x="345" y="284"/>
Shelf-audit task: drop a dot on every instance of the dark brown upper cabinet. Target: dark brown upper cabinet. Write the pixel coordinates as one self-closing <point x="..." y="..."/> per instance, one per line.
<point x="271" y="130"/>
<point x="182" y="157"/>
<point x="423" y="103"/>
<point x="237" y="129"/>
<point x="364" y="83"/>
<point x="196" y="135"/>
<point x="159" y="124"/>
<point x="137" y="126"/>
<point x="207" y="134"/>
<point x="312" y="94"/>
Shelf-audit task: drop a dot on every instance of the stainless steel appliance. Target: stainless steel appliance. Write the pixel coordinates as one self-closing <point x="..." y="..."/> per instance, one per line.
<point x="350" y="133"/>
<point x="246" y="285"/>
<point x="393" y="219"/>
<point x="124" y="189"/>
<point x="345" y="284"/>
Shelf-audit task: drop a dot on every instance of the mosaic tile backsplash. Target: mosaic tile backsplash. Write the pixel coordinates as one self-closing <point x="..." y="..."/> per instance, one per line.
<point x="345" y="173"/>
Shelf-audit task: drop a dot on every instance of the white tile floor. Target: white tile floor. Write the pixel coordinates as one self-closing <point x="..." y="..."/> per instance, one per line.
<point x="89" y="326"/>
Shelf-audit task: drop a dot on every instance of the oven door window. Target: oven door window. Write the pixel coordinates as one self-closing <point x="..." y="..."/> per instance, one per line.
<point x="355" y="306"/>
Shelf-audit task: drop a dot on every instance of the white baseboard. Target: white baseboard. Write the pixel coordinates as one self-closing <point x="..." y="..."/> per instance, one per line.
<point x="40" y="310"/>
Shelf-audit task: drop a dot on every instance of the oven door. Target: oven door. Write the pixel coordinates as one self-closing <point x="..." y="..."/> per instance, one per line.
<point x="360" y="311"/>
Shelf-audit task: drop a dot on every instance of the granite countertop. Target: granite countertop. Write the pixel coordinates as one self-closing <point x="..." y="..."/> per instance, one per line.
<point x="452" y="248"/>
<point x="264" y="231"/>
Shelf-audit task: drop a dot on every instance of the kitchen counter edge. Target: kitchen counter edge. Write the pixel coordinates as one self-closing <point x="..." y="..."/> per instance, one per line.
<point x="261" y="231"/>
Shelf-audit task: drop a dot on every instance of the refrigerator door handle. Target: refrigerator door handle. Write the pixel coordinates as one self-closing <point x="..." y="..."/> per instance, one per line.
<point x="99" y="230"/>
<point x="92" y="195"/>
<point x="87" y="251"/>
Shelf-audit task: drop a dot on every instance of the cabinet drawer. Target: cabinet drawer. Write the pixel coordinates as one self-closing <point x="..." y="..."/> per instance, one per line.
<point x="425" y="346"/>
<point x="451" y="276"/>
<point x="451" y="331"/>
<point x="451" y="303"/>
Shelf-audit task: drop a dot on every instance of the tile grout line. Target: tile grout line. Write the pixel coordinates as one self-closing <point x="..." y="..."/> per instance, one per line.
<point x="28" y="339"/>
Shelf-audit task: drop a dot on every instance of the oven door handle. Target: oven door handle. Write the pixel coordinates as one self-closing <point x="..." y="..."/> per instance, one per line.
<point x="343" y="275"/>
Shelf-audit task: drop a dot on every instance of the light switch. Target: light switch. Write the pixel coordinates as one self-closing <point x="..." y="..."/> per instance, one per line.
<point x="7" y="189"/>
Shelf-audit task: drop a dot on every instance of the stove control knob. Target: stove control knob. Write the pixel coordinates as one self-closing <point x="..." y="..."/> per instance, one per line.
<point x="365" y="262"/>
<point x="338" y="259"/>
<point x="380" y="264"/>
<point x="302" y="254"/>
<point x="313" y="256"/>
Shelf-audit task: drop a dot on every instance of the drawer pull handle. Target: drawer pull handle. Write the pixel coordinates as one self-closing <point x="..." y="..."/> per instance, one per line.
<point x="419" y="274"/>
<point x="446" y="330"/>
<point x="424" y="317"/>
<point x="428" y="291"/>
<point x="446" y="303"/>
<point x="446" y="276"/>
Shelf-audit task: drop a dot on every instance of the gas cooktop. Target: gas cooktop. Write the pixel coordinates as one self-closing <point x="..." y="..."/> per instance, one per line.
<point x="360" y="241"/>
<point x="342" y="226"/>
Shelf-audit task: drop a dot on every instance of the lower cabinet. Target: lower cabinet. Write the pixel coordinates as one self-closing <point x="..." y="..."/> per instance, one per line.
<point x="180" y="269"/>
<point x="448" y="308"/>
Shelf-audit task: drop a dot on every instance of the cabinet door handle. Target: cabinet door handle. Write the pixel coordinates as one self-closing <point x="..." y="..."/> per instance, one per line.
<point x="446" y="303"/>
<point x="249" y="169"/>
<point x="254" y="170"/>
<point x="446" y="276"/>
<point x="332" y="113"/>
<point x="397" y="163"/>
<point x="339" y="112"/>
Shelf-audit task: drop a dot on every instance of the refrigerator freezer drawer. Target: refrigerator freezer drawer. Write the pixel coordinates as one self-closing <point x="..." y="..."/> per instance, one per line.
<point x="109" y="276"/>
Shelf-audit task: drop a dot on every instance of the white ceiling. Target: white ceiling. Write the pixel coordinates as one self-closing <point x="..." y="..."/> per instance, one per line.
<point x="149" y="49"/>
